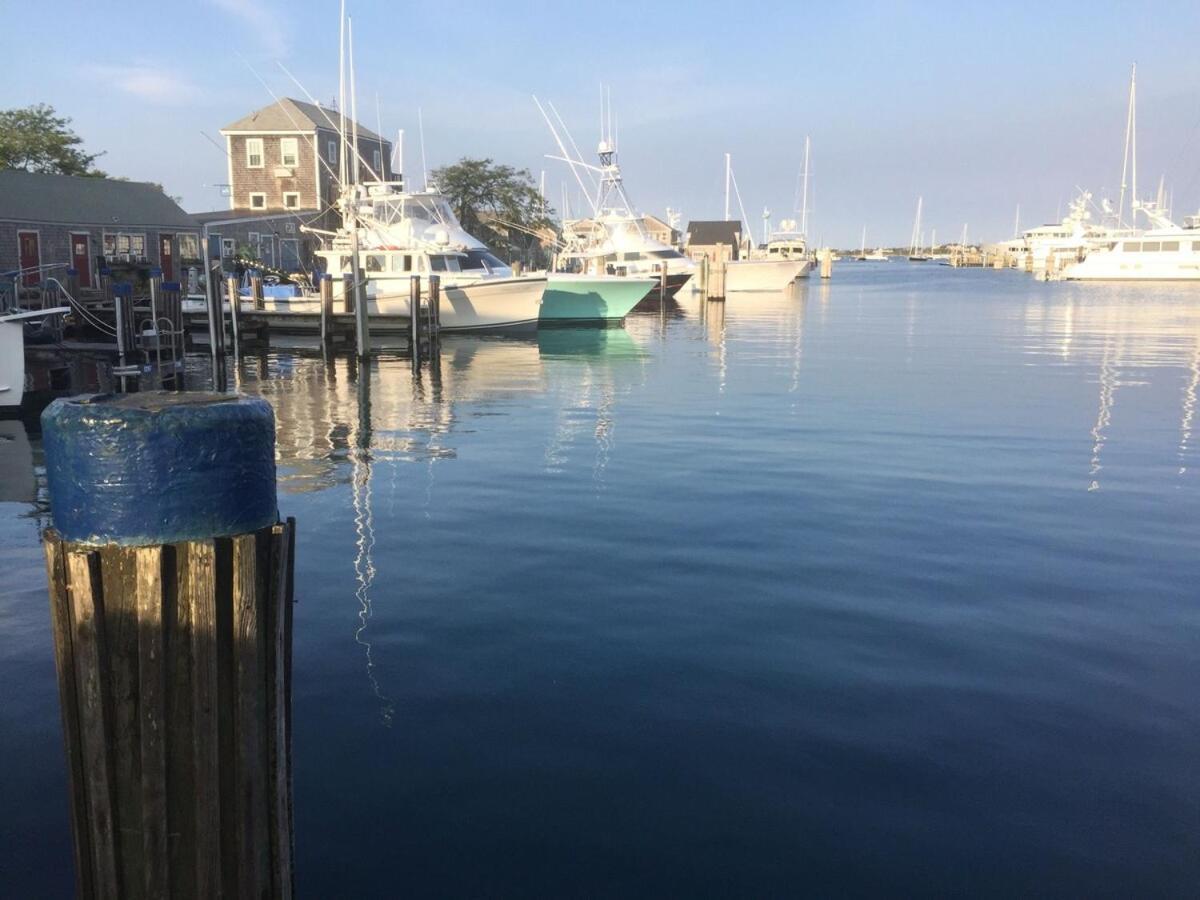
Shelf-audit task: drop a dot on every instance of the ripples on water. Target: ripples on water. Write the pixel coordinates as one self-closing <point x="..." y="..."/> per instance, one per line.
<point x="884" y="586"/>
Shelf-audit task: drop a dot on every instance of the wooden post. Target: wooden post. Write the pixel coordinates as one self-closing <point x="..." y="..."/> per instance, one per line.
<point x="433" y="322"/>
<point x="414" y="314"/>
<point x="172" y="635"/>
<point x="235" y="312"/>
<point x="256" y="290"/>
<point x="662" y="283"/>
<point x="326" y="308"/>
<point x="826" y="263"/>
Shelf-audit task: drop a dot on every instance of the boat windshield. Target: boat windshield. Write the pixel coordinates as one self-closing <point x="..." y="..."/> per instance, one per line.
<point x="444" y="263"/>
<point x="422" y="210"/>
<point x="481" y="260"/>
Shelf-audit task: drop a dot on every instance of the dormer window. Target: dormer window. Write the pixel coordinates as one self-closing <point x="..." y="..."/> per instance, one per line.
<point x="289" y="153"/>
<point x="254" y="153"/>
<point x="331" y="151"/>
<point x="377" y="159"/>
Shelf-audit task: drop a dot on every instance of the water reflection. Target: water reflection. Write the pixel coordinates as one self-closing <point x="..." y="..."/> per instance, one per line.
<point x="1127" y="337"/>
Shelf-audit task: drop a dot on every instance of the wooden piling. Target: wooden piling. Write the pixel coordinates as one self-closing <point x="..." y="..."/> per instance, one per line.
<point x="173" y="651"/>
<point x="326" y="308"/>
<point x="256" y="290"/>
<point x="414" y="314"/>
<point x="235" y="312"/>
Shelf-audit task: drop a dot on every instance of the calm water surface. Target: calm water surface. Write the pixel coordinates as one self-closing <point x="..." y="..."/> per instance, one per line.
<point x="885" y="586"/>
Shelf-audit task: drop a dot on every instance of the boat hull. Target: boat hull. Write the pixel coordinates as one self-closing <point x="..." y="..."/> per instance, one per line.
<point x="762" y="274"/>
<point x="584" y="298"/>
<point x="12" y="366"/>
<point x="485" y="305"/>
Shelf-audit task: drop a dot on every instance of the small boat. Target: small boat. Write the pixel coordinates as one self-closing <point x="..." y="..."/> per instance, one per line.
<point x="12" y="354"/>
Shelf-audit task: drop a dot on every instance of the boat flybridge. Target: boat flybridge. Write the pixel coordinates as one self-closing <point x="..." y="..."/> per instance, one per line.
<point x="1075" y="236"/>
<point x="1164" y="252"/>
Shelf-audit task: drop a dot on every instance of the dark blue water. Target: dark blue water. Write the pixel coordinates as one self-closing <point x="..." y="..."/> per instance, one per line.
<point x="888" y="586"/>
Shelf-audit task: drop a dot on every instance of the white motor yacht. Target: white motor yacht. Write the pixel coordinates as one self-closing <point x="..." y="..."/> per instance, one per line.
<point x="1166" y="252"/>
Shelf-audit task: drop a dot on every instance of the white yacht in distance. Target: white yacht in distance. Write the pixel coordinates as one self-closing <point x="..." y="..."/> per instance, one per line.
<point x="765" y="270"/>
<point x="1165" y="252"/>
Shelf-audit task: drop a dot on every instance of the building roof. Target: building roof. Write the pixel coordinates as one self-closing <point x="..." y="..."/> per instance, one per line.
<point x="247" y="215"/>
<point x="708" y="233"/>
<point x="75" y="200"/>
<point x="293" y="115"/>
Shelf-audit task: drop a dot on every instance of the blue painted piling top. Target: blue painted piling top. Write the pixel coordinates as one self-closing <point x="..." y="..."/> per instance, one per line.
<point x="159" y="467"/>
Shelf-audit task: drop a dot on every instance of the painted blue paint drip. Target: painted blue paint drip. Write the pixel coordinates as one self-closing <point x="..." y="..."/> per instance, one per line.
<point x="159" y="467"/>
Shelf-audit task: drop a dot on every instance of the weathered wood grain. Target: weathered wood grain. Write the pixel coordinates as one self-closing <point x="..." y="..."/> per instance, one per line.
<point x="64" y="661"/>
<point x="152" y="719"/>
<point x="84" y="591"/>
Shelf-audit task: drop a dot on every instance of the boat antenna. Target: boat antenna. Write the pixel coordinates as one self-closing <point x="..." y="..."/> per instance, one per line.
<point x="342" y="94"/>
<point x="424" y="165"/>
<point x="728" y="176"/>
<point x="573" y="162"/>
<point x="1129" y="128"/>
<point x="379" y="134"/>
<point x="804" y="203"/>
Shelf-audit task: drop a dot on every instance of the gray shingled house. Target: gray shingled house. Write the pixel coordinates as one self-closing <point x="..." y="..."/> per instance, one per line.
<point x="283" y="171"/>
<point x="718" y="240"/>
<point x="49" y="223"/>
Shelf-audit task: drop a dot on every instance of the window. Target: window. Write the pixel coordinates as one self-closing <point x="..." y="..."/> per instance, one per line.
<point x="331" y="151"/>
<point x="254" y="153"/>
<point x="189" y="247"/>
<point x="1132" y="247"/>
<point x="1150" y="246"/>
<point x="227" y="248"/>
<point x="258" y="201"/>
<point x="401" y="262"/>
<point x="375" y="262"/>
<point x="252" y="239"/>
<point x="377" y="159"/>
<point x="291" y="200"/>
<point x="289" y="153"/>
<point x="1170" y="246"/>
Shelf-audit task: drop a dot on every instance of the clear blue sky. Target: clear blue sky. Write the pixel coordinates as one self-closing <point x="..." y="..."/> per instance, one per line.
<point x="976" y="106"/>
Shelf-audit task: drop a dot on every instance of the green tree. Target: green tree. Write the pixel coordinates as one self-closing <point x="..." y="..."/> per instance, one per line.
<point x="36" y="139"/>
<point x="498" y="204"/>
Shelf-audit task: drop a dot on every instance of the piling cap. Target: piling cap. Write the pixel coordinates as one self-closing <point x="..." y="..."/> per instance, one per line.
<point x="159" y="467"/>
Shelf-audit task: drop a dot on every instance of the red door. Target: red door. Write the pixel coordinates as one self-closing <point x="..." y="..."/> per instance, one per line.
<point x="31" y="258"/>
<point x="81" y="260"/>
<point x="166" y="260"/>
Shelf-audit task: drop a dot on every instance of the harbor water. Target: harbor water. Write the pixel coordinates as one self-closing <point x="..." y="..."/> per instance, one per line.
<point x="886" y="584"/>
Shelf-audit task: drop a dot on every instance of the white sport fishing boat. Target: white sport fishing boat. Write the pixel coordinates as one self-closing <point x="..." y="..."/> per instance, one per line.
<point x="614" y="240"/>
<point x="401" y="235"/>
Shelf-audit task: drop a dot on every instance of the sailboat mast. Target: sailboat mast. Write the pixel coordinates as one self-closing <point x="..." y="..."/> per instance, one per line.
<point x="728" y="167"/>
<point x="1133" y="142"/>
<point x="1125" y="158"/>
<point x="342" y="96"/>
<point x="804" y="202"/>
<point x="353" y="103"/>
<point x="1017" y="223"/>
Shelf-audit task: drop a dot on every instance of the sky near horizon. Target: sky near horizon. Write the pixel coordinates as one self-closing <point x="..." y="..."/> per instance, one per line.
<point x="976" y="107"/>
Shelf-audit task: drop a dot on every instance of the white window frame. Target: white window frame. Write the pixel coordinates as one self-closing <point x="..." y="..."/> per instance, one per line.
<point x="289" y="147"/>
<point x="286" y="195"/>
<point x="254" y="147"/>
<point x="228" y="248"/>
<point x="254" y="194"/>
<point x="331" y="151"/>
<point x="252" y="239"/>
<point x="377" y="158"/>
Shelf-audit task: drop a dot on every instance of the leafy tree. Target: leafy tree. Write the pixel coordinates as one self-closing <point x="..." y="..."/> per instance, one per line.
<point x="35" y="139"/>
<point x="498" y="204"/>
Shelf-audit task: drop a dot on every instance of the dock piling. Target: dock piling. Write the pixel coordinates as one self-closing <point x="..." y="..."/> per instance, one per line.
<point x="414" y="313"/>
<point x="235" y="313"/>
<point x="326" y="308"/>
<point x="170" y="580"/>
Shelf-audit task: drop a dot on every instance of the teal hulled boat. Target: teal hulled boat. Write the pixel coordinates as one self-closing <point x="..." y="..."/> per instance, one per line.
<point x="591" y="298"/>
